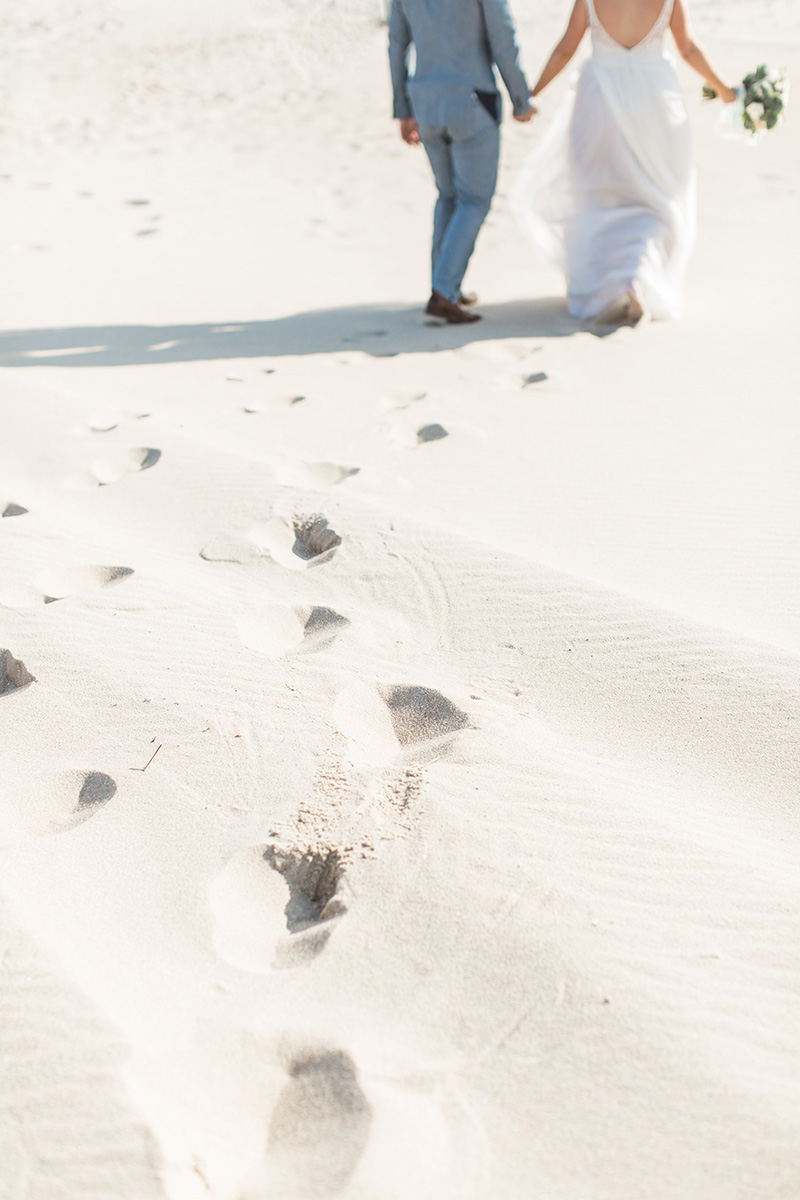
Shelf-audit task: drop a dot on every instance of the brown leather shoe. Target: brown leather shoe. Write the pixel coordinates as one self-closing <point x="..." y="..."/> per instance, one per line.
<point x="442" y="308"/>
<point x="467" y="298"/>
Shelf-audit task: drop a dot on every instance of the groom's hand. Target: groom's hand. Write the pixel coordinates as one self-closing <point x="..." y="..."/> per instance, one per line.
<point x="527" y="115"/>
<point x="409" y="131"/>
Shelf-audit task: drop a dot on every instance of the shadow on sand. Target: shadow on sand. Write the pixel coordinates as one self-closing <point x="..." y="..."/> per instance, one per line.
<point x="378" y="330"/>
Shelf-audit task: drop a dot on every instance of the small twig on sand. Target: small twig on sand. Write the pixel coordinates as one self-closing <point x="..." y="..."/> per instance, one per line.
<point x="150" y="759"/>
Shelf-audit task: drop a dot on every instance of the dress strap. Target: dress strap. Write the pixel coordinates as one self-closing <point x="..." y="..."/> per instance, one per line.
<point x="664" y="19"/>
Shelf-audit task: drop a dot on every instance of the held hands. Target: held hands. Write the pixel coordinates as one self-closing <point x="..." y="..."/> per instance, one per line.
<point x="409" y="131"/>
<point x="527" y="114"/>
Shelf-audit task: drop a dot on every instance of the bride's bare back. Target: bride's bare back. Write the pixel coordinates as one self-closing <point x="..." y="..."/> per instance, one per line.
<point x="628" y="21"/>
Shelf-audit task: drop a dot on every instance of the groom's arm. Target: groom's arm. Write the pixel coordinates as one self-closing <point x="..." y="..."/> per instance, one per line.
<point x="399" y="43"/>
<point x="505" y="52"/>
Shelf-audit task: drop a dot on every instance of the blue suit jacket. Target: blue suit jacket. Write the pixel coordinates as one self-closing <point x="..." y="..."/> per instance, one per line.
<point x="456" y="44"/>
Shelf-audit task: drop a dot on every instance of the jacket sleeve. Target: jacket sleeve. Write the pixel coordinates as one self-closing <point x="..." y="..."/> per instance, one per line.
<point x="399" y="43"/>
<point x="505" y="51"/>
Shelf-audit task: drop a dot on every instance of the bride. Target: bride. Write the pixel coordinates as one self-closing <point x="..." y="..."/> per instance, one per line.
<point x="609" y="194"/>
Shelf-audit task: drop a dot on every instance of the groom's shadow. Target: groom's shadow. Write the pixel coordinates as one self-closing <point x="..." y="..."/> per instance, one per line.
<point x="380" y="330"/>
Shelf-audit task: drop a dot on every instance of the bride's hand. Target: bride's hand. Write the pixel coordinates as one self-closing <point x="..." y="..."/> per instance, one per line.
<point x="728" y="95"/>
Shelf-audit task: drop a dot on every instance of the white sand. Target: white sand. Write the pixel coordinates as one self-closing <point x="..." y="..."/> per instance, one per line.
<point x="466" y="865"/>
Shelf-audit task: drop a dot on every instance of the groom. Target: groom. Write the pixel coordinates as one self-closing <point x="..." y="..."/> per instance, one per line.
<point x="452" y="106"/>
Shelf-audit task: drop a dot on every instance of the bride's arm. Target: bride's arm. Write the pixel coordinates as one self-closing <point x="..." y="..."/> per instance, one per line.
<point x="693" y="54"/>
<point x="578" y="24"/>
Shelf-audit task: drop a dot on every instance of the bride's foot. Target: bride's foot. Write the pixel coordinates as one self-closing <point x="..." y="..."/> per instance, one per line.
<point x="626" y="308"/>
<point x="616" y="311"/>
<point x="637" y="309"/>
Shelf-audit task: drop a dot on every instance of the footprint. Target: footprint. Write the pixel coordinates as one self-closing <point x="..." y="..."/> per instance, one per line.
<point x="101" y="423"/>
<point x="406" y="434"/>
<point x="322" y="627"/>
<point x="314" y="538"/>
<point x="56" y="584"/>
<point x="420" y="714"/>
<point x="397" y="401"/>
<point x="361" y="715"/>
<point x="308" y="541"/>
<point x="13" y="673"/>
<point x="9" y="509"/>
<point x="276" y="908"/>
<point x="69" y="581"/>
<point x="314" y="476"/>
<point x="382" y="723"/>
<point x="431" y="433"/>
<point x="21" y="595"/>
<point x="275" y="630"/>
<point x="300" y="1115"/>
<point x="113" y="467"/>
<point x="104" y="422"/>
<point x="54" y="803"/>
<point x="320" y="1125"/>
<point x="337" y="1127"/>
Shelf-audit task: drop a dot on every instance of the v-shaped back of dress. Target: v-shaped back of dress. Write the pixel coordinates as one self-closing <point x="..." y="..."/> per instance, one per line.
<point x="651" y="43"/>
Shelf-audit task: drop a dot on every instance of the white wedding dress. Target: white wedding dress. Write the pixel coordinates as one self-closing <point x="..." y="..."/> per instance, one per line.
<point x="609" y="194"/>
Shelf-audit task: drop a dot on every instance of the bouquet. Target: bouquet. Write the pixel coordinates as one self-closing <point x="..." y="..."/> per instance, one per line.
<point x="760" y="103"/>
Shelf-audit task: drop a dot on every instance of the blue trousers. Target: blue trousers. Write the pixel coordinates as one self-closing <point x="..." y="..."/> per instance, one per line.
<point x="464" y="167"/>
